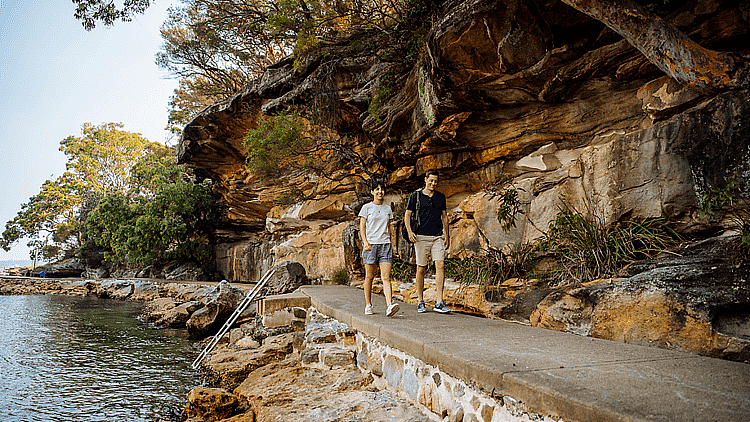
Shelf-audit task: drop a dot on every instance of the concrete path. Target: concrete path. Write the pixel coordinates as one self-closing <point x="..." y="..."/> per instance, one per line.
<point x="573" y="377"/>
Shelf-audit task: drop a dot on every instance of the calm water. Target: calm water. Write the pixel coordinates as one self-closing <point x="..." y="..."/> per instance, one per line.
<point x="87" y="359"/>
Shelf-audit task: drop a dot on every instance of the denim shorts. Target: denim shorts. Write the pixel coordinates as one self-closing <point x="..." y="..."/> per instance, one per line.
<point x="381" y="252"/>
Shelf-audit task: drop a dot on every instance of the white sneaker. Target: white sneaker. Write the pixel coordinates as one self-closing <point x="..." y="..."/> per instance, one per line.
<point x="368" y="310"/>
<point x="392" y="309"/>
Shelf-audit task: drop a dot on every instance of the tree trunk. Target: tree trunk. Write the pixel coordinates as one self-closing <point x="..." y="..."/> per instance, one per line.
<point x="667" y="47"/>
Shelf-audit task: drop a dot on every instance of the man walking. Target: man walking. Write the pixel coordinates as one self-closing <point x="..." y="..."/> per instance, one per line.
<point x="430" y="236"/>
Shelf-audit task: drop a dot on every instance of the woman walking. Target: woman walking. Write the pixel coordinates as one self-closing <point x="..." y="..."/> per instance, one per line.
<point x="376" y="230"/>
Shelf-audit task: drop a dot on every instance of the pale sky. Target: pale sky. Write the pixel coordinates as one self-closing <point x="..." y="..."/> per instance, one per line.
<point x="55" y="76"/>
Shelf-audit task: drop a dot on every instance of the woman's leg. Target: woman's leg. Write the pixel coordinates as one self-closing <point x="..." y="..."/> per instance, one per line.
<point x="369" y="275"/>
<point x="385" y="275"/>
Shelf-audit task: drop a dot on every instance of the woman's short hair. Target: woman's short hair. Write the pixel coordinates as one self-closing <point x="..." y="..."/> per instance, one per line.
<point x="374" y="183"/>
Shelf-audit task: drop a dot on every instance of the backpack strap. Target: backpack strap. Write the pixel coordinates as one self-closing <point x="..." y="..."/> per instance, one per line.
<point x="416" y="193"/>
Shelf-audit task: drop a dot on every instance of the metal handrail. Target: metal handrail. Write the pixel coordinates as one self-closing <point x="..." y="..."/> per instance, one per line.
<point x="237" y="312"/>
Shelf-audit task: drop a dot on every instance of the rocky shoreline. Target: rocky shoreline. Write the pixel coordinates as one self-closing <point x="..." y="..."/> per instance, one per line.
<point x="265" y="369"/>
<point x="286" y="361"/>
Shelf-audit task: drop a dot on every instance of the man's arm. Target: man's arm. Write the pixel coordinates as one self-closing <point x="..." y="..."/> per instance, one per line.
<point x="392" y="232"/>
<point x="407" y="223"/>
<point x="446" y="229"/>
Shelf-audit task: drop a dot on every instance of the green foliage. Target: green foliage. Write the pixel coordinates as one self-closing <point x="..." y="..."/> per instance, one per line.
<point x="167" y="226"/>
<point x="386" y="90"/>
<point x="121" y="194"/>
<point x="584" y="247"/>
<point x="730" y="201"/>
<point x="341" y="276"/>
<point x="109" y="226"/>
<point x="402" y="271"/>
<point x="506" y="192"/>
<point x="587" y="249"/>
<point x="275" y="144"/>
<point x="290" y="197"/>
<point x="491" y="267"/>
<point x="103" y="157"/>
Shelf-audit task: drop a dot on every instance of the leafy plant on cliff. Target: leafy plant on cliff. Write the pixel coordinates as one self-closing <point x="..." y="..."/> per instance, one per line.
<point x="587" y="249"/>
<point x="491" y="267"/>
<point x="729" y="201"/>
<point x="341" y="276"/>
<point x="275" y="144"/>
<point x="583" y="246"/>
<point x="401" y="270"/>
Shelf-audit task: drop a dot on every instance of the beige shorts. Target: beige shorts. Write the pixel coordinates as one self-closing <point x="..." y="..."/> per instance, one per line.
<point x="429" y="245"/>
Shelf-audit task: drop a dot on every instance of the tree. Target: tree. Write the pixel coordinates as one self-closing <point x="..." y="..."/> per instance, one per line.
<point x="171" y="224"/>
<point x="667" y="47"/>
<point x="50" y="219"/>
<point x="89" y="12"/>
<point x="214" y="48"/>
<point x="103" y="156"/>
<point x="100" y="162"/>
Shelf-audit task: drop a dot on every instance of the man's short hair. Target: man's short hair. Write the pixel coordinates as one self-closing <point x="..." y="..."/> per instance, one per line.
<point x="432" y="172"/>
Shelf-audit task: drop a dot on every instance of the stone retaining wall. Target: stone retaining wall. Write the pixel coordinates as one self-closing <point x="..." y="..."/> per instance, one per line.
<point x="447" y="398"/>
<point x="450" y="399"/>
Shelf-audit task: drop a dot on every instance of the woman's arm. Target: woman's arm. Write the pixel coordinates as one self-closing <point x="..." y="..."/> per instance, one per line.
<point x="363" y="233"/>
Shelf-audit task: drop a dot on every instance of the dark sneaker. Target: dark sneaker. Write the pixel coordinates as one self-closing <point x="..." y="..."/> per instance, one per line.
<point x="421" y="307"/>
<point x="392" y="309"/>
<point x="440" y="307"/>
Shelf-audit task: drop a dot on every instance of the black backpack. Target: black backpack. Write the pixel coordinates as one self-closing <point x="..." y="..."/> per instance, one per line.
<point x="414" y="218"/>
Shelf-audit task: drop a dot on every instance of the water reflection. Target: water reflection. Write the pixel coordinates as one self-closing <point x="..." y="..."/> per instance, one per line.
<point x="87" y="359"/>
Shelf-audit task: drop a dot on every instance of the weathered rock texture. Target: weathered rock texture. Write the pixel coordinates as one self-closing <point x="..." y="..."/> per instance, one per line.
<point x="308" y="374"/>
<point x="535" y="90"/>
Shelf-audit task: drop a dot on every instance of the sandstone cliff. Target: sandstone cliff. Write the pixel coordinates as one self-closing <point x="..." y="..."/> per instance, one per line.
<point x="535" y="90"/>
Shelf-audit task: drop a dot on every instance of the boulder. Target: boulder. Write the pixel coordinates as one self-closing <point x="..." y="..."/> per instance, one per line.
<point x="693" y="299"/>
<point x="116" y="288"/>
<point x="287" y="391"/>
<point x="155" y="309"/>
<point x="184" y="271"/>
<point x="144" y="290"/>
<point x="219" y="305"/>
<point x="289" y="276"/>
<point x="178" y="316"/>
<point x="210" y="404"/>
<point x="320" y="249"/>
<point x="228" y="368"/>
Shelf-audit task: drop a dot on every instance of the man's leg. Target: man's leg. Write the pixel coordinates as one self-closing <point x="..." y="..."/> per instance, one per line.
<point x="420" y="282"/>
<point x="439" y="279"/>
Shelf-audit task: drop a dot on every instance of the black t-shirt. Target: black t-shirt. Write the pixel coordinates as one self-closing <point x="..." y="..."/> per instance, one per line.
<point x="430" y="212"/>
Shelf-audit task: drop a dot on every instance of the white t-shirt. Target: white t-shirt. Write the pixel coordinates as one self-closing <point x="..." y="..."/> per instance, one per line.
<point x="376" y="226"/>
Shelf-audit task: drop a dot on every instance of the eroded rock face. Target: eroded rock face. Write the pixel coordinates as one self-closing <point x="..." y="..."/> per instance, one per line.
<point x="309" y="375"/>
<point x="534" y="90"/>
<point x="537" y="91"/>
<point x="335" y="394"/>
<point x="229" y="369"/>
